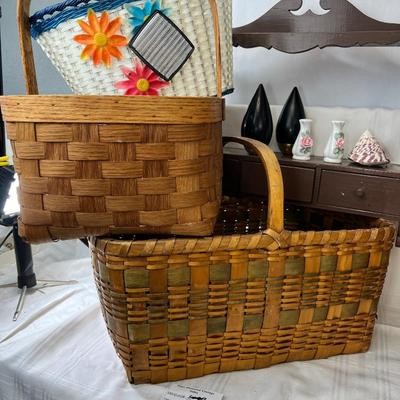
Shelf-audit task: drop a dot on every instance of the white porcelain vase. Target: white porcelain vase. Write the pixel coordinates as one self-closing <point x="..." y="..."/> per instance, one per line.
<point x="334" y="150"/>
<point x="304" y="144"/>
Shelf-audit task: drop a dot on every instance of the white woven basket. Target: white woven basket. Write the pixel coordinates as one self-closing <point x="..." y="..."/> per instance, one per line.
<point x="55" y="28"/>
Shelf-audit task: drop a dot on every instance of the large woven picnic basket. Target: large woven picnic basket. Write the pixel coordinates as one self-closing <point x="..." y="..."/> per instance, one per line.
<point x="251" y="296"/>
<point x="92" y="165"/>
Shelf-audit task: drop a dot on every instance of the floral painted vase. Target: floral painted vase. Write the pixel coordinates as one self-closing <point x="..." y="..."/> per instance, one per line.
<point x="303" y="146"/>
<point x="334" y="151"/>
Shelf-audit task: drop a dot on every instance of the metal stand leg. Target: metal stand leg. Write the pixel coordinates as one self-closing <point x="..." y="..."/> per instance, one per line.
<point x="20" y="304"/>
<point x="26" y="275"/>
<point x="23" y="251"/>
<point x="23" y="257"/>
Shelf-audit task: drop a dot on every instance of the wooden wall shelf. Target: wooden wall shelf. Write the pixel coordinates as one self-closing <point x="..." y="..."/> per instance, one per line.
<point x="341" y="25"/>
<point x="345" y="188"/>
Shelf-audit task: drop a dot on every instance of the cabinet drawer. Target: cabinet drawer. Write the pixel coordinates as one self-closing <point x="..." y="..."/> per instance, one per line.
<point x="360" y="192"/>
<point x="298" y="182"/>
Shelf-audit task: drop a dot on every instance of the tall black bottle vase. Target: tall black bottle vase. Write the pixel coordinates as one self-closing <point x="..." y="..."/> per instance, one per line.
<point x="257" y="123"/>
<point x="288" y="126"/>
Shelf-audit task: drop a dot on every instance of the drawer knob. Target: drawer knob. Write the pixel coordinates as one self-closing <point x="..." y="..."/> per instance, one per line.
<point x="360" y="193"/>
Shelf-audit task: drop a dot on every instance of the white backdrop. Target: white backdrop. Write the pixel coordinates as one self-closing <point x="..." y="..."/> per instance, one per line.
<point x="361" y="77"/>
<point x="358" y="77"/>
<point x="366" y="77"/>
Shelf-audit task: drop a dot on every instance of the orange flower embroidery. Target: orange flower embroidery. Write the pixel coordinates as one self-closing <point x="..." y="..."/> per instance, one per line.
<point x="100" y="39"/>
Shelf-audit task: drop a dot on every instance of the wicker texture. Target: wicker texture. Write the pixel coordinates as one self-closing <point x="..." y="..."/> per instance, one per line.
<point x="91" y="179"/>
<point x="184" y="308"/>
<point x="197" y="77"/>
<point x="96" y="165"/>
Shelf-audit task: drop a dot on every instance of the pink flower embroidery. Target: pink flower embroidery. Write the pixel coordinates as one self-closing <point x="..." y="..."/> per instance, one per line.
<point x="141" y="81"/>
<point x="340" y="143"/>
<point x="307" y="142"/>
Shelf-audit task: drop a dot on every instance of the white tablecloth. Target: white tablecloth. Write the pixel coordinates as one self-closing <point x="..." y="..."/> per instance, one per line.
<point x="59" y="349"/>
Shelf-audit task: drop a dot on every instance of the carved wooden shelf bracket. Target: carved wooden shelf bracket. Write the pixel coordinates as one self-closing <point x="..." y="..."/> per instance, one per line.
<point x="293" y="28"/>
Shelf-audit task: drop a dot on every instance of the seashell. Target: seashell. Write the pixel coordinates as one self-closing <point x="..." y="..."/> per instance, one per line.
<point x="368" y="151"/>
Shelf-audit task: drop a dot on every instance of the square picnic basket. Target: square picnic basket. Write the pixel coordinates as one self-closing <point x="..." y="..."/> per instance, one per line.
<point x="251" y="296"/>
<point x="97" y="165"/>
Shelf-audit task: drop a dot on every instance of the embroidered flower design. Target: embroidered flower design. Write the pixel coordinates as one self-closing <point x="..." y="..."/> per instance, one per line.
<point x="100" y="39"/>
<point x="141" y="14"/>
<point x="141" y="81"/>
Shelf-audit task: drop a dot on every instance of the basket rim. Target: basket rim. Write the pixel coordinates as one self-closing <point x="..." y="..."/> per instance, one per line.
<point x="384" y="233"/>
<point x="112" y="109"/>
<point x="52" y="16"/>
<point x="106" y="96"/>
<point x="98" y="97"/>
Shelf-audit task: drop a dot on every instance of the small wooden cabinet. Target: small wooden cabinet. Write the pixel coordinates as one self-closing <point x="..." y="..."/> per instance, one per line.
<point x="347" y="187"/>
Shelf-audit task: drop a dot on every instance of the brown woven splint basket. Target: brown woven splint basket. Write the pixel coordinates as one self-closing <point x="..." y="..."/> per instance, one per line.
<point x="96" y="165"/>
<point x="184" y="308"/>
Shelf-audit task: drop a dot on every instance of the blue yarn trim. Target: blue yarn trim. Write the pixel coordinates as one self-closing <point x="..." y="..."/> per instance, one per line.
<point x="52" y="16"/>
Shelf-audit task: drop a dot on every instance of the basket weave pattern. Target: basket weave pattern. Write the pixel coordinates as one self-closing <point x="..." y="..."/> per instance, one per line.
<point x="92" y="165"/>
<point x="184" y="308"/>
<point x="80" y="179"/>
<point x="197" y="78"/>
<point x="227" y="303"/>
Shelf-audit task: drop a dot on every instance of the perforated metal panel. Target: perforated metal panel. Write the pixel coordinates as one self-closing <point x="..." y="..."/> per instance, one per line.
<point x="162" y="46"/>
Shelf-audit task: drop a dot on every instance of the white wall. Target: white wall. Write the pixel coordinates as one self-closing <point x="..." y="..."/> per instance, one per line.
<point x="361" y="77"/>
<point x="383" y="123"/>
<point x="49" y="79"/>
<point x="357" y="77"/>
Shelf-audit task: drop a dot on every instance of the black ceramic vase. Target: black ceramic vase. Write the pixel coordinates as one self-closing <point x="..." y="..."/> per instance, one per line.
<point x="288" y="126"/>
<point x="257" y="123"/>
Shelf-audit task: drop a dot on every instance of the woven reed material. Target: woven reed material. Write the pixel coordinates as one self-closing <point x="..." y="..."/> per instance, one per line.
<point x="194" y="18"/>
<point x="80" y="179"/>
<point x="184" y="308"/>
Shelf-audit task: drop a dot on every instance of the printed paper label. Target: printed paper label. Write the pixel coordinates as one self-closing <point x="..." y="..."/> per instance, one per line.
<point x="181" y="392"/>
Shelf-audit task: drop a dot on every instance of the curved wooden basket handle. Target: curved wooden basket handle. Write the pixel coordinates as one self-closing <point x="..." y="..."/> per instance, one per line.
<point x="25" y="44"/>
<point x="28" y="63"/>
<point x="275" y="219"/>
<point x="217" y="43"/>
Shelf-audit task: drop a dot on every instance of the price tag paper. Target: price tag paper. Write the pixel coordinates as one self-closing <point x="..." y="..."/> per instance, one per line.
<point x="181" y="392"/>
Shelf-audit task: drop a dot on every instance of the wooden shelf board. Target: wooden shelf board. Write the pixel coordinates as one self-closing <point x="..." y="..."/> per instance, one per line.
<point x="342" y="26"/>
